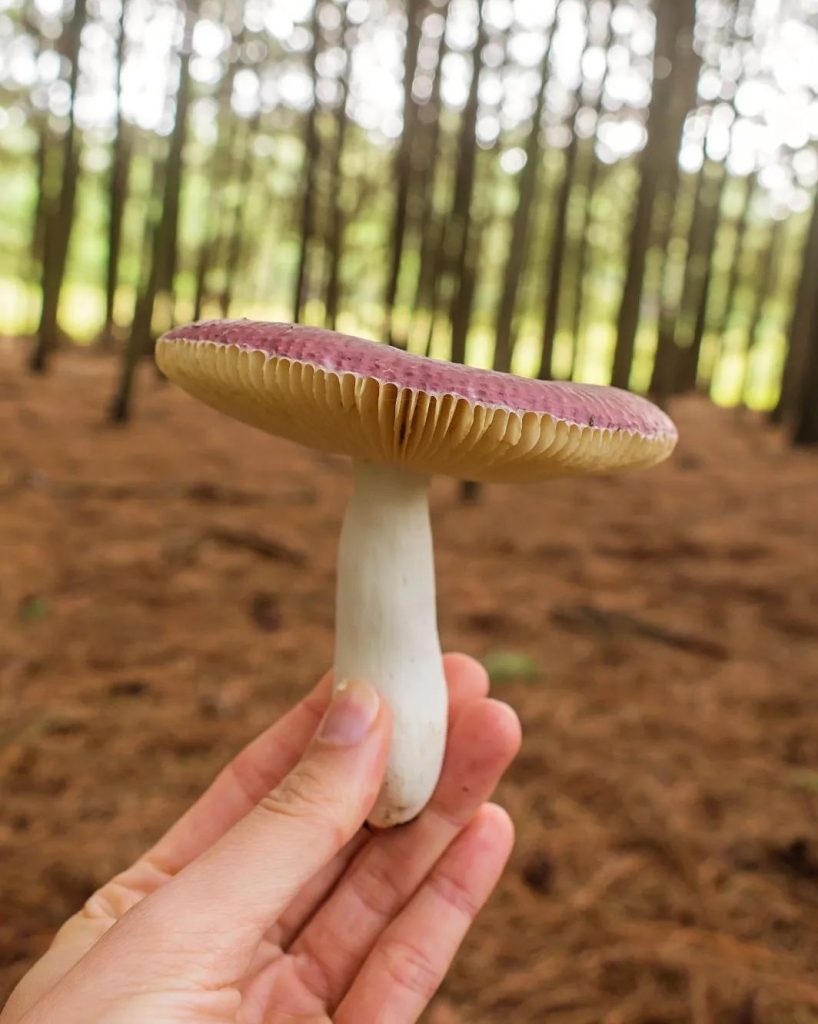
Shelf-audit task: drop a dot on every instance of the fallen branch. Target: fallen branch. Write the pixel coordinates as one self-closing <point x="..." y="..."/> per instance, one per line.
<point x="588" y="617"/>
<point x="256" y="542"/>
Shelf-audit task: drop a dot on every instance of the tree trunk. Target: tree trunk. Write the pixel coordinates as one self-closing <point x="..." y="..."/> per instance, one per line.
<point x="168" y="238"/>
<point x="161" y="239"/>
<point x="666" y="359"/>
<point x="432" y="227"/>
<point x="556" y="258"/>
<point x="674" y="22"/>
<point x="520" y="225"/>
<point x="312" y="153"/>
<point x="140" y="335"/>
<point x="59" y="215"/>
<point x="801" y="329"/>
<point x="233" y="262"/>
<point x="734" y="274"/>
<point x="666" y="221"/>
<point x="588" y="180"/>
<point x="738" y="254"/>
<point x="699" y="273"/>
<point x="765" y="279"/>
<point x="219" y="164"/>
<point x="335" y="242"/>
<point x="806" y="411"/>
<point x="459" y="234"/>
<point x="35" y="255"/>
<point x="403" y="159"/>
<point x="118" y="186"/>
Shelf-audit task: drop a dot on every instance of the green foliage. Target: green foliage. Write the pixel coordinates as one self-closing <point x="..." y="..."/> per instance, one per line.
<point x="34" y="608"/>
<point x="511" y="666"/>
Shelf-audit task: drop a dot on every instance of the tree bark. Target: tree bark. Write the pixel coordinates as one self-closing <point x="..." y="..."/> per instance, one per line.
<point x="403" y="160"/>
<point x="665" y="364"/>
<point x="699" y="274"/>
<point x="520" y="225"/>
<point x="35" y="254"/>
<point x="765" y="280"/>
<point x="557" y="249"/>
<point x="432" y="229"/>
<point x="161" y="239"/>
<point x="117" y="185"/>
<point x="459" y="234"/>
<point x="59" y="215"/>
<point x="801" y="328"/>
<point x="335" y="242"/>
<point x="312" y="153"/>
<point x="587" y="180"/>
<point x="674" y="22"/>
<point x="806" y="411"/>
<point x="140" y="333"/>
<point x="236" y="234"/>
<point x="734" y="275"/>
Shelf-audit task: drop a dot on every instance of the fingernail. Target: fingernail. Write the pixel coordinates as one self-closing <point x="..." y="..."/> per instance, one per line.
<point x="350" y="716"/>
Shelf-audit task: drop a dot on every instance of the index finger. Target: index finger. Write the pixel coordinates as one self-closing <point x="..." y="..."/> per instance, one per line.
<point x="264" y="763"/>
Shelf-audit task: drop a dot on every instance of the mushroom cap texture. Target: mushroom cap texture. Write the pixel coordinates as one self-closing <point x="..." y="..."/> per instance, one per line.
<point x="360" y="398"/>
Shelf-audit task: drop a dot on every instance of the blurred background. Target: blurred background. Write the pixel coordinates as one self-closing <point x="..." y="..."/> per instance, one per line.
<point x="615" y="191"/>
<point x="593" y="190"/>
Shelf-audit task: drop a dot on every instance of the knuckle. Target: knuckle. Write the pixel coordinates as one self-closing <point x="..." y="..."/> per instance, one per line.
<point x="455" y="893"/>
<point x="377" y="886"/>
<point x="249" y="778"/>
<point x="299" y="794"/>
<point x="305" y="797"/>
<point x="409" y="967"/>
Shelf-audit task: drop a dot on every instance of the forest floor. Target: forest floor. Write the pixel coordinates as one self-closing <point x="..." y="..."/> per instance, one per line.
<point x="167" y="589"/>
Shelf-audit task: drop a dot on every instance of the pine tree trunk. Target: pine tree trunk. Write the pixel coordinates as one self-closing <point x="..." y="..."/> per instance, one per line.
<point x="801" y="329"/>
<point x="556" y="258"/>
<point x="459" y="234"/>
<point x="403" y="160"/>
<point x="312" y="153"/>
<point x="118" y="186"/>
<point x="335" y="242"/>
<point x="699" y="274"/>
<point x="168" y="239"/>
<point x="738" y="253"/>
<point x="520" y="225"/>
<point x="432" y="227"/>
<point x="161" y="239"/>
<point x="674" y="21"/>
<point x="59" y="216"/>
<point x="666" y="221"/>
<point x="806" y="411"/>
<point x="140" y="334"/>
<point x="764" y="282"/>
<point x="35" y="254"/>
<point x="734" y="274"/>
<point x="233" y="262"/>
<point x="587" y="179"/>
<point x="219" y="164"/>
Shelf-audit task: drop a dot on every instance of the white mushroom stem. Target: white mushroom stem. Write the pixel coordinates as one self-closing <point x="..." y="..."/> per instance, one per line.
<point x="386" y="628"/>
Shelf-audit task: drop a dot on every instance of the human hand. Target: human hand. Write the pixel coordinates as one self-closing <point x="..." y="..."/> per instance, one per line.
<point x="267" y="902"/>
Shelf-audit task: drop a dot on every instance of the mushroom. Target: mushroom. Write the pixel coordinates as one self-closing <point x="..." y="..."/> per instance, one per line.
<point x="403" y="418"/>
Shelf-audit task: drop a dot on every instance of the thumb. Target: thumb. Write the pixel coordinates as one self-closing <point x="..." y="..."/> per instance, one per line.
<point x="250" y="875"/>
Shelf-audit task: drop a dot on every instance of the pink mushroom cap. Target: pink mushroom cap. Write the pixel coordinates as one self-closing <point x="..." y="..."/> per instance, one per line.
<point x="368" y="400"/>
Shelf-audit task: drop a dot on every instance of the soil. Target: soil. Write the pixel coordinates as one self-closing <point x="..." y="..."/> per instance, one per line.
<point x="167" y="589"/>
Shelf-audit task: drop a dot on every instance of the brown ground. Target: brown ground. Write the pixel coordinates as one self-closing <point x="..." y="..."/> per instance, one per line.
<point x="666" y="799"/>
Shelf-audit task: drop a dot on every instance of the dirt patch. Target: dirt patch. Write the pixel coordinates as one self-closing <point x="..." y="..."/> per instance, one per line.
<point x="167" y="589"/>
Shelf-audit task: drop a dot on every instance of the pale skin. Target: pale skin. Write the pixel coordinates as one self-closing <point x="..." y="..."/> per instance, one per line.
<point x="268" y="903"/>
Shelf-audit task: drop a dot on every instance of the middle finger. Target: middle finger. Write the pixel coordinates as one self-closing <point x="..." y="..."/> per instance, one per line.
<point x="385" y="874"/>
